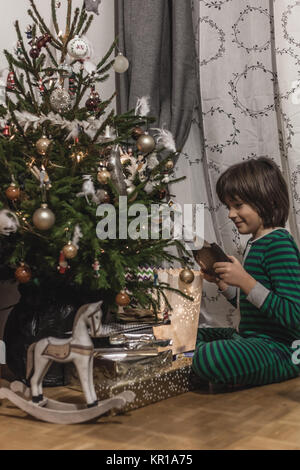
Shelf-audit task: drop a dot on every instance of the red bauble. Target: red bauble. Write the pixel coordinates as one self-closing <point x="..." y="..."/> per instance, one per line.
<point x="137" y="132"/>
<point x="23" y="274"/>
<point x="34" y="52"/>
<point x="93" y="102"/>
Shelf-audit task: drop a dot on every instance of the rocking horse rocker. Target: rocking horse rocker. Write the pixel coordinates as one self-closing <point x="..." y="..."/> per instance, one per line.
<point x="78" y="349"/>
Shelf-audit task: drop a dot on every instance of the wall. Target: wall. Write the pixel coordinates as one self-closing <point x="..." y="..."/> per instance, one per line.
<point x="101" y="34"/>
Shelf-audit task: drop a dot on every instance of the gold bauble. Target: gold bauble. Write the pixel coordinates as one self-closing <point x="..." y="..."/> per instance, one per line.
<point x="146" y="143"/>
<point x="103" y="176"/>
<point x="122" y="299"/>
<point x="187" y="276"/>
<point x="43" y="218"/>
<point x="130" y="190"/>
<point x="169" y="165"/>
<point x="42" y="145"/>
<point x="70" y="250"/>
<point x="12" y="192"/>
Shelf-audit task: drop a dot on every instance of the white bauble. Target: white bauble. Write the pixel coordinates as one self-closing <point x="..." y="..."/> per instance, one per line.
<point x="121" y="63"/>
<point x="9" y="222"/>
<point x="78" y="48"/>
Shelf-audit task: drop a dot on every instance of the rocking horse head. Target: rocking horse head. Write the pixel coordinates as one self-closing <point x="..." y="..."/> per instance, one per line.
<point x="91" y="315"/>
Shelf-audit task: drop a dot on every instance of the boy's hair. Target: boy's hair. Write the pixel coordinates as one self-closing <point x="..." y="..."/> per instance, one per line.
<point x="259" y="183"/>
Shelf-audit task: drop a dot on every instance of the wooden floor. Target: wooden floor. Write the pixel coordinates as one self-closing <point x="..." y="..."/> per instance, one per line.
<point x="259" y="418"/>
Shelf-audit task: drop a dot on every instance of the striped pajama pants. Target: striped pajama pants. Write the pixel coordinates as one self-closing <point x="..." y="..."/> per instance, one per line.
<point x="225" y="357"/>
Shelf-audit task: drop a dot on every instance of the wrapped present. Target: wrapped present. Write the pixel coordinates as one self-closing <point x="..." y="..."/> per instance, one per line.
<point x="118" y="364"/>
<point x="184" y="316"/>
<point x="153" y="383"/>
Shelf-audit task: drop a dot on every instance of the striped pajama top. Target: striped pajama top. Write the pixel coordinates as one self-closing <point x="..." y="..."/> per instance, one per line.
<point x="272" y="308"/>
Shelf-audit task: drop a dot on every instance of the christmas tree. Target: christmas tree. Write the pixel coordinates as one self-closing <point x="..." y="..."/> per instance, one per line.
<point x="64" y="153"/>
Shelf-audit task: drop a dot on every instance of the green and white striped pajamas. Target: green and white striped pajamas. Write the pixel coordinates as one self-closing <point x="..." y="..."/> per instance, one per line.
<point x="261" y="352"/>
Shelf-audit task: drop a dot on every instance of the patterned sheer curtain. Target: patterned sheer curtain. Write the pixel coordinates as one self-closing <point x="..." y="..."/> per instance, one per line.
<point x="249" y="84"/>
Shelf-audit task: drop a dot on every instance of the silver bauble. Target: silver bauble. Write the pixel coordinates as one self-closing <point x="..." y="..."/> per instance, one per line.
<point x="60" y="100"/>
<point x="121" y="63"/>
<point x="145" y="143"/>
<point x="43" y="218"/>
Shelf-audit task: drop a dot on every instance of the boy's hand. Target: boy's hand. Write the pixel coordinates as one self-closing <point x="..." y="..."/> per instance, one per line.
<point x="235" y="275"/>
<point x="221" y="284"/>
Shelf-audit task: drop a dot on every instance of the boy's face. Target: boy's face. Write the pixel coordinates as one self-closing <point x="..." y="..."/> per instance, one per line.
<point x="244" y="216"/>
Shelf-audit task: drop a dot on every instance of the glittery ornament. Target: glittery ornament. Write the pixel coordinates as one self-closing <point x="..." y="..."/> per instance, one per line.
<point x="42" y="145"/>
<point x="23" y="274"/>
<point x="78" y="48"/>
<point x="187" y="276"/>
<point x="70" y="250"/>
<point x="12" y="192"/>
<point x="121" y="63"/>
<point x="103" y="176"/>
<point x="146" y="143"/>
<point x="43" y="218"/>
<point x="122" y="299"/>
<point x="60" y="100"/>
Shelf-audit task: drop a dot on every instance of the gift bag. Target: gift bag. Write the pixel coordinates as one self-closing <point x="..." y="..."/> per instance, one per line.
<point x="184" y="317"/>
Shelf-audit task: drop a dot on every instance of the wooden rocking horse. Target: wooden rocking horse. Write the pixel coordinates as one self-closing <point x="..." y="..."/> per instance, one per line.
<point x="78" y="349"/>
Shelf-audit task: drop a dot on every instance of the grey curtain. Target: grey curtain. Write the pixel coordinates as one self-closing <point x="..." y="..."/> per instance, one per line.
<point x="157" y="38"/>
